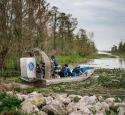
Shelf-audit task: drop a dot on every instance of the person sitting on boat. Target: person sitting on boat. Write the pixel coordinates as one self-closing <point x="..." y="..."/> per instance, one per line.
<point x="69" y="69"/>
<point x="55" y="65"/>
<point x="65" y="71"/>
<point x="54" y="62"/>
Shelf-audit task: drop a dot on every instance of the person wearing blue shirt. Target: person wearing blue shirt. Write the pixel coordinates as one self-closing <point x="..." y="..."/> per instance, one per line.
<point x="69" y="69"/>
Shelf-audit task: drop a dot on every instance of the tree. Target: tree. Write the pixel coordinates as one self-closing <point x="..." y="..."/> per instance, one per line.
<point x="54" y="19"/>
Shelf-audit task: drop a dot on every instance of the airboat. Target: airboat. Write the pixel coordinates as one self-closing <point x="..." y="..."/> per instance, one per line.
<point x="36" y="66"/>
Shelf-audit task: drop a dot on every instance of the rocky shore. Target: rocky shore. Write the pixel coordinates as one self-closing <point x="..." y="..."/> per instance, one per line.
<point x="64" y="104"/>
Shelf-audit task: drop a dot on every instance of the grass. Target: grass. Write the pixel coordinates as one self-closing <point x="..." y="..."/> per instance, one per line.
<point x="76" y="58"/>
<point x="70" y="59"/>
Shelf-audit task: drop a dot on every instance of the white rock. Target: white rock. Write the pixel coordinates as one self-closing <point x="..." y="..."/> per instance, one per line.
<point x="63" y="98"/>
<point x="88" y="100"/>
<point x="78" y="106"/>
<point x="105" y="106"/>
<point x="121" y="110"/>
<point x="92" y="99"/>
<point x="48" y="100"/>
<point x="110" y="101"/>
<point x="98" y="107"/>
<point x="28" y="107"/>
<point x="42" y="113"/>
<point x="38" y="100"/>
<point x="120" y="104"/>
<point x="71" y="107"/>
<point x="56" y="107"/>
<point x="76" y="113"/>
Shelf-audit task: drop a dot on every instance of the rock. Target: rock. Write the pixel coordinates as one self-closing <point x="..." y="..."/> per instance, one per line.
<point x="121" y="111"/>
<point x="85" y="110"/>
<point x="28" y="107"/>
<point x="71" y="107"/>
<point x="120" y="104"/>
<point x="55" y="107"/>
<point x="78" y="107"/>
<point x="76" y="113"/>
<point x="63" y="98"/>
<point x="88" y="100"/>
<point x="48" y="100"/>
<point x="98" y="107"/>
<point x="42" y="113"/>
<point x="110" y="101"/>
<point x="105" y="106"/>
<point x="38" y="100"/>
<point x="92" y="99"/>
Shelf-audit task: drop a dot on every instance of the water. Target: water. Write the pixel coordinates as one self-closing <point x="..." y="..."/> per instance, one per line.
<point x="109" y="63"/>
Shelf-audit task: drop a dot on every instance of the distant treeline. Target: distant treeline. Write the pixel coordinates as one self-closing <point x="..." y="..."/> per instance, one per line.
<point x="26" y="24"/>
<point x="119" y="49"/>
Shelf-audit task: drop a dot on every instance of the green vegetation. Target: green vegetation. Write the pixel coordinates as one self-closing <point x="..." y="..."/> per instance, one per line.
<point x="119" y="50"/>
<point x="113" y="110"/>
<point x="113" y="79"/>
<point x="70" y="59"/>
<point x="9" y="105"/>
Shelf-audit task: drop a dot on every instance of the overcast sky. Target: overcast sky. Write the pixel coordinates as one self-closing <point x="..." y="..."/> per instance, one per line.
<point x="106" y="18"/>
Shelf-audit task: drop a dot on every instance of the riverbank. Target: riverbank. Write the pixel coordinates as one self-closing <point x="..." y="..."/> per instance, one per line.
<point x="121" y="55"/>
<point x="78" y="59"/>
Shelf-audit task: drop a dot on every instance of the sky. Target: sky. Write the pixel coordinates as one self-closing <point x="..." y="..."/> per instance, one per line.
<point x="106" y="18"/>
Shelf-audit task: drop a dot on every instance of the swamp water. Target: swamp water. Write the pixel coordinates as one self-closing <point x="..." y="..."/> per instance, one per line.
<point x="107" y="63"/>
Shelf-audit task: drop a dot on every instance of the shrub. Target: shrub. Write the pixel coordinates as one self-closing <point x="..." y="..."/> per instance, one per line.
<point x="9" y="104"/>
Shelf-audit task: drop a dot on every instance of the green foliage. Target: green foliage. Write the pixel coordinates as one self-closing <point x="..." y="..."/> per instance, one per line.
<point x="9" y="104"/>
<point x="104" y="79"/>
<point x="76" y="99"/>
<point x="70" y="59"/>
<point x="9" y="73"/>
<point x="113" y="110"/>
<point x="111" y="78"/>
<point x="120" y="49"/>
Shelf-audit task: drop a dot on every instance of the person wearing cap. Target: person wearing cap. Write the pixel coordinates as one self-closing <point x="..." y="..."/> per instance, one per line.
<point x="69" y="69"/>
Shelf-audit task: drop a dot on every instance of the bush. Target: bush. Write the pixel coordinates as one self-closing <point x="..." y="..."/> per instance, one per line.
<point x="104" y="79"/>
<point x="9" y="104"/>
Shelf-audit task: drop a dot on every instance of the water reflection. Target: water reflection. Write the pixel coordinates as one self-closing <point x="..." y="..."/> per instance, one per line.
<point x="110" y="63"/>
